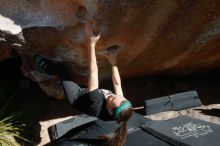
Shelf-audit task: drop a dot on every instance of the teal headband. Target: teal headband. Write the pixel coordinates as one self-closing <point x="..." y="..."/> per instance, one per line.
<point x="125" y="105"/>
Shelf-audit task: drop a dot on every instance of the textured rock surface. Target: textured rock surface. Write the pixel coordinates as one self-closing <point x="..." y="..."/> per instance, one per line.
<point x="155" y="36"/>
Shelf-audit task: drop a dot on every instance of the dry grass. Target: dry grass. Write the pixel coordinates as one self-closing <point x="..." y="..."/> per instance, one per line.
<point x="10" y="127"/>
<point x="9" y="132"/>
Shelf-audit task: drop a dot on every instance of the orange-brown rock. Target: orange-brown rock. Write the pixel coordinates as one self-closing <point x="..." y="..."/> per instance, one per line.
<point x="155" y="36"/>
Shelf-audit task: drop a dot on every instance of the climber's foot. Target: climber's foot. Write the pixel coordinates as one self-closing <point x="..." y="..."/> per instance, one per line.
<point x="44" y="65"/>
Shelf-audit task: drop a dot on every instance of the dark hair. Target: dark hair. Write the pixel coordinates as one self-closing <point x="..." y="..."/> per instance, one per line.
<point x="119" y="137"/>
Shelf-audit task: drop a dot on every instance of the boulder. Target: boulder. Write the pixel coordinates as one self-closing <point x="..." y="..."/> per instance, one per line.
<point x="155" y="36"/>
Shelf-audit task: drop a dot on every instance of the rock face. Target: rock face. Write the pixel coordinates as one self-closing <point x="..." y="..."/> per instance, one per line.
<point x="155" y="36"/>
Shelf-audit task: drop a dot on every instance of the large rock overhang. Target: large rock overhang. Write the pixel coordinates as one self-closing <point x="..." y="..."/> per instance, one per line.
<point x="155" y="36"/>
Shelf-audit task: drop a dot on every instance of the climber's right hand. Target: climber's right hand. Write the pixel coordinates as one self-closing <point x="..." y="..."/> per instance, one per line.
<point x="91" y="32"/>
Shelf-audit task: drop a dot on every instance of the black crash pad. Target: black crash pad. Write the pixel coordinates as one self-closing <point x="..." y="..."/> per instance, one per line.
<point x="185" y="131"/>
<point x="136" y="138"/>
<point x="86" y="134"/>
<point x="143" y="138"/>
<point x="173" y="102"/>
<point x="180" y="131"/>
<point x="60" y="129"/>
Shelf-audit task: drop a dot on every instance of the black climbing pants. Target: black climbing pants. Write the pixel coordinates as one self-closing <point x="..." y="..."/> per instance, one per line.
<point x="71" y="89"/>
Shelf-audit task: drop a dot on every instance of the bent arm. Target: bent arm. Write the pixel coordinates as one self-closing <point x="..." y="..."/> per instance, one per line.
<point x="116" y="80"/>
<point x="93" y="81"/>
<point x="111" y="55"/>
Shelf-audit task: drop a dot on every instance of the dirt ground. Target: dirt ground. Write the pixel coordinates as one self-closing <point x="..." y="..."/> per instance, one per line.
<point x="140" y="89"/>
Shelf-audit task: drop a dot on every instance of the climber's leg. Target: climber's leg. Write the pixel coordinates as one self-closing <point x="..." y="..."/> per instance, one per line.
<point x="72" y="90"/>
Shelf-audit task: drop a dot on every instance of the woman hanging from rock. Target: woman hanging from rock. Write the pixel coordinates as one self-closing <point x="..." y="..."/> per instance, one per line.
<point x="91" y="100"/>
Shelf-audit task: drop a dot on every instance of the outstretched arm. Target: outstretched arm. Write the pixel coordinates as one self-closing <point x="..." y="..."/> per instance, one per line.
<point x="116" y="80"/>
<point x="111" y="55"/>
<point x="93" y="81"/>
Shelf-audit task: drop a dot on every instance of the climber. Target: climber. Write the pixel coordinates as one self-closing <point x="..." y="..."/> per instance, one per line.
<point x="91" y="100"/>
